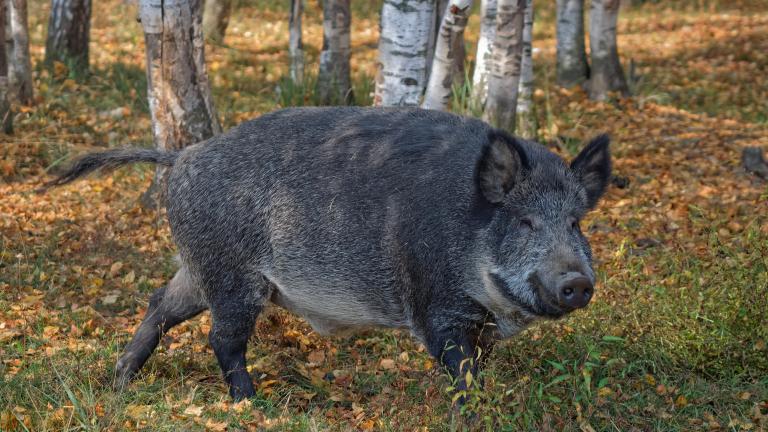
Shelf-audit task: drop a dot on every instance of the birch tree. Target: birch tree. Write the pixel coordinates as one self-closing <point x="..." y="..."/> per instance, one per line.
<point x="177" y="82"/>
<point x="526" y="114"/>
<point x="68" y="33"/>
<point x="403" y="44"/>
<point x="19" y="64"/>
<point x="6" y="116"/>
<point x="572" y="66"/>
<point x="504" y="76"/>
<point x="483" y="56"/>
<point x="441" y="77"/>
<point x="216" y="19"/>
<point x="437" y="19"/>
<point x="295" y="45"/>
<point x="606" y="74"/>
<point x="333" y="81"/>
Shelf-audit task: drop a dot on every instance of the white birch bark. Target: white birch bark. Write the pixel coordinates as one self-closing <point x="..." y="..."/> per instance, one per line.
<point x="484" y="51"/>
<point x="437" y="19"/>
<point x="606" y="73"/>
<point x="6" y="116"/>
<point x="572" y="66"/>
<point x="333" y="81"/>
<point x="504" y="76"/>
<point x="526" y="115"/>
<point x="295" y="45"/>
<point x="20" y="65"/>
<point x="68" y="33"/>
<point x="216" y="19"/>
<point x="403" y="44"/>
<point x="177" y="81"/>
<point x="441" y="77"/>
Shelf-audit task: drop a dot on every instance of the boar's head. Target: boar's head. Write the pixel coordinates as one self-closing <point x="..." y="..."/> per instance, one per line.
<point x="536" y="262"/>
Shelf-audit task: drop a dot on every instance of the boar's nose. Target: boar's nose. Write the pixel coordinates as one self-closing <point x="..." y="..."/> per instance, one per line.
<point x="575" y="291"/>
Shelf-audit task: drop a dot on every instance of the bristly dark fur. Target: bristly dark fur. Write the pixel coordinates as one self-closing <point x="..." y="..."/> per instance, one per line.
<point x="110" y="160"/>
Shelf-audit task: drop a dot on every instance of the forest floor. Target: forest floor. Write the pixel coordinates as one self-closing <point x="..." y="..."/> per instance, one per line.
<point x="674" y="340"/>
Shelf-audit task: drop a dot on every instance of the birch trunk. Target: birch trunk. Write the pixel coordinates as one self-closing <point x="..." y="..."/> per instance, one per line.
<point x="572" y="66"/>
<point x="484" y="51"/>
<point x="459" y="72"/>
<point x="446" y="51"/>
<point x="6" y="116"/>
<point x="333" y="82"/>
<point x="216" y="19"/>
<point x="403" y="44"/>
<point x="295" y="45"/>
<point x="526" y="114"/>
<point x="20" y="66"/>
<point x="606" y="74"/>
<point x="437" y="19"/>
<point x="177" y="82"/>
<point x="68" y="33"/>
<point x="504" y="77"/>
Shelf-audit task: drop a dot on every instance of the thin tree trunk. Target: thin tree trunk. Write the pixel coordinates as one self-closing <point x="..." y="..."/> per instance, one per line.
<point x="446" y="50"/>
<point x="607" y="73"/>
<point x="484" y="51"/>
<point x="572" y="66"/>
<point x="20" y="76"/>
<point x="177" y="82"/>
<point x="437" y="19"/>
<point x="459" y="71"/>
<point x="295" y="46"/>
<point x="6" y="116"/>
<point x="333" y="81"/>
<point x="68" y="33"/>
<point x="526" y="114"/>
<point x="402" y="75"/>
<point x="216" y="19"/>
<point x="504" y="77"/>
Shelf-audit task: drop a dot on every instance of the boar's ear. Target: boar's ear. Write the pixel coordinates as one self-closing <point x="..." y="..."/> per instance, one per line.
<point x="593" y="167"/>
<point x="500" y="166"/>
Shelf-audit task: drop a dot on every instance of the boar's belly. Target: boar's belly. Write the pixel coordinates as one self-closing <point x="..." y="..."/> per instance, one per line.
<point x="333" y="312"/>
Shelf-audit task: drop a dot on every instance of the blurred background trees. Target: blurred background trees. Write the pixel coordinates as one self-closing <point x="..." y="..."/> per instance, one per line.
<point x="421" y="56"/>
<point x="69" y="33"/>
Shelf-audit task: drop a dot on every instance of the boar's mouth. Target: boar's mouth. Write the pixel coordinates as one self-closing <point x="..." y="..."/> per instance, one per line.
<point x="546" y="303"/>
<point x="543" y="304"/>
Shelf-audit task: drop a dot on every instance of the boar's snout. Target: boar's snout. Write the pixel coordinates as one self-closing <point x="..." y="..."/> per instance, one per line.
<point x="575" y="291"/>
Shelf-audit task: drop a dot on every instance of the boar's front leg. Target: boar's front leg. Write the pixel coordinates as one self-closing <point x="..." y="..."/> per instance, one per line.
<point x="457" y="353"/>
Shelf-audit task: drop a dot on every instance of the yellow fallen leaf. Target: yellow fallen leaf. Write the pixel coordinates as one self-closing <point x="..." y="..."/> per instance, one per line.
<point x="194" y="410"/>
<point x="215" y="426"/>
<point x="137" y="412"/>
<point x="130" y="277"/>
<point x="115" y="268"/>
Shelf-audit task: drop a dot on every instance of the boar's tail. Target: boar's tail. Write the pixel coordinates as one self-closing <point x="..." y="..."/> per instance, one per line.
<point x="109" y="160"/>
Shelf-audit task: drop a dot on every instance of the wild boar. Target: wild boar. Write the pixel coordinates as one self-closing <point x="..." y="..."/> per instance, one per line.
<point x="369" y="217"/>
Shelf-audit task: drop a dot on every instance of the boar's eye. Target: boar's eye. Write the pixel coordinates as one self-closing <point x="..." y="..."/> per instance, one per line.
<point x="574" y="224"/>
<point x="527" y="223"/>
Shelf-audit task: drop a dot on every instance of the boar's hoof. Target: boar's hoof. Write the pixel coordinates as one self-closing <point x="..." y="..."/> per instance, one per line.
<point x="242" y="390"/>
<point x="125" y="370"/>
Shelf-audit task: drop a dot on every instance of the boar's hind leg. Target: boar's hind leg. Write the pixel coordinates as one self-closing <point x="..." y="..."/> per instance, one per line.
<point x="170" y="305"/>
<point x="233" y="315"/>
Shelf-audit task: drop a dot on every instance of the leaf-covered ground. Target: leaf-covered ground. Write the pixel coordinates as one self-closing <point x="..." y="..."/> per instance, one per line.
<point x="675" y="339"/>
